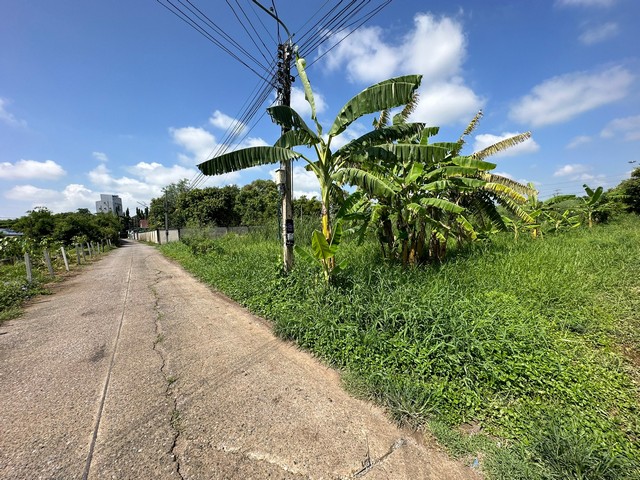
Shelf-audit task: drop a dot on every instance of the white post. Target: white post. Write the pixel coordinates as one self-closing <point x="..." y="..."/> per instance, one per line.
<point x="64" y="256"/>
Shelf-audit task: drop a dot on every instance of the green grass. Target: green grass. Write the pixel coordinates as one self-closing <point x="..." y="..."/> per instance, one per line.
<point x="14" y="289"/>
<point x="510" y="336"/>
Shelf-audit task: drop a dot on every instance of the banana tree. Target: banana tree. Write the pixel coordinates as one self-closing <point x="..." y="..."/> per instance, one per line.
<point x="432" y="193"/>
<point x="325" y="164"/>
<point x="591" y="202"/>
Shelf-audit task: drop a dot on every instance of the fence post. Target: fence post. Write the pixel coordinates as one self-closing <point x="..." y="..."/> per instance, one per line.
<point x="27" y="264"/>
<point x="78" y="253"/>
<point x="64" y="257"/>
<point x="158" y="236"/>
<point x="89" y="248"/>
<point x="47" y="259"/>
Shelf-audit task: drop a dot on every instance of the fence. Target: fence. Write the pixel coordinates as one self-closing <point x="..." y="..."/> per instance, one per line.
<point x="58" y="257"/>
<point x="158" y="236"/>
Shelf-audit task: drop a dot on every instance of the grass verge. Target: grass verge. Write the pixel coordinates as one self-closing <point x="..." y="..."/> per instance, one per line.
<point x="523" y="339"/>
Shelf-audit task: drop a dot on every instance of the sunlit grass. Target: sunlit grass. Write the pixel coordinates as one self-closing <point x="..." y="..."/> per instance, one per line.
<point x="507" y="335"/>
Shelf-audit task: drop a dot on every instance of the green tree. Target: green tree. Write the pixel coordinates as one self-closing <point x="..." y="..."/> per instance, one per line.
<point x="38" y="224"/>
<point x="630" y="192"/>
<point x="156" y="211"/>
<point x="209" y="206"/>
<point x="257" y="203"/>
<point x="427" y="193"/>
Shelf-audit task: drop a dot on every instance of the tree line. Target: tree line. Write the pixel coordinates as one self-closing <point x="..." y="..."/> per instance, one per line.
<point x="254" y="204"/>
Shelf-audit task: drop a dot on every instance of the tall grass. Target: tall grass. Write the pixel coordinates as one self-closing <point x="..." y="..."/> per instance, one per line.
<point x="508" y="335"/>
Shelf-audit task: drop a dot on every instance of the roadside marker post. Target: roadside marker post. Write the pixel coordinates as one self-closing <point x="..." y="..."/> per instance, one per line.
<point x="64" y="257"/>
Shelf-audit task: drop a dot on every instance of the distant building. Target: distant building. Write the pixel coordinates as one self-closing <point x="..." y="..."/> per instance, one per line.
<point x="109" y="204"/>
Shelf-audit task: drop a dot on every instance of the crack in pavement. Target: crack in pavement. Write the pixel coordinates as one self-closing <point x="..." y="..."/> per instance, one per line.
<point x="368" y="464"/>
<point x="174" y="422"/>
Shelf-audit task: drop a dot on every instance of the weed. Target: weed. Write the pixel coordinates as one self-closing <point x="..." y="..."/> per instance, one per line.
<point x="500" y="335"/>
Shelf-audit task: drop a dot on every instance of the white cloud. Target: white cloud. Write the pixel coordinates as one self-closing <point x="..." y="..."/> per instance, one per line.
<point x="197" y="141"/>
<point x="72" y="197"/>
<point x="585" y="3"/>
<point x="225" y="122"/>
<point x="629" y="127"/>
<point x="599" y="33"/>
<point x="446" y="103"/>
<point x="300" y="104"/>
<point x="9" y="118"/>
<point x="201" y="144"/>
<point x="29" y="169"/>
<point x="571" y="170"/>
<point x="29" y="193"/>
<point x="578" y="141"/>
<point x="367" y="57"/>
<point x="434" y="48"/>
<point x="486" y="140"/>
<point x="100" y="156"/>
<point x="562" y="98"/>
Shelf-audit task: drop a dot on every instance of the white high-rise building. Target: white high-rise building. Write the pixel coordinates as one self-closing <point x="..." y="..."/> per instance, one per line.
<point x="109" y="204"/>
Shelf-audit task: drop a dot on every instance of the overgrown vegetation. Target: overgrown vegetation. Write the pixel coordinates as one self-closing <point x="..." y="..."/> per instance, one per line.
<point x="441" y="316"/>
<point x="513" y="336"/>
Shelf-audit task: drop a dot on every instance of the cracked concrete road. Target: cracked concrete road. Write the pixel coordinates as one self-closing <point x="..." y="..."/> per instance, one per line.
<point x="135" y="370"/>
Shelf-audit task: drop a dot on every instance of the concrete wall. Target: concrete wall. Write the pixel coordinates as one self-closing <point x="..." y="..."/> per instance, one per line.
<point x="157" y="236"/>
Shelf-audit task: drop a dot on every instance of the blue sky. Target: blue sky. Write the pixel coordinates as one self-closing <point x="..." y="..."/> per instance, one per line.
<point x="123" y="98"/>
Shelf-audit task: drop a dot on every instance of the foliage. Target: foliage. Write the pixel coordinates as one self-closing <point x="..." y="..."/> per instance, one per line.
<point x="170" y="195"/>
<point x="209" y="206"/>
<point x="505" y="334"/>
<point x="14" y="289"/>
<point x="327" y="163"/>
<point x="421" y="194"/>
<point x="42" y="225"/>
<point x="257" y="203"/>
<point x="630" y="192"/>
<point x="37" y="224"/>
<point x="323" y="252"/>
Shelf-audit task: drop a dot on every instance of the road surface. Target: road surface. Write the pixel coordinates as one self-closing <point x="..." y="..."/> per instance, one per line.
<point x="132" y="369"/>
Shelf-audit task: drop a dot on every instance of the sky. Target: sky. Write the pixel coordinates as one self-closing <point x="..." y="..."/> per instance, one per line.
<point x="124" y="98"/>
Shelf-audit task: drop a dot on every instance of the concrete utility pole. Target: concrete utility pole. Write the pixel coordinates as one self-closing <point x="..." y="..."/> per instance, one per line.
<point x="285" y="52"/>
<point x="166" y="217"/>
<point x="284" y="79"/>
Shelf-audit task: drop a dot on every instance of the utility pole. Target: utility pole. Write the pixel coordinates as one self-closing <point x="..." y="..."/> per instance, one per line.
<point x="284" y="79"/>
<point x="285" y="51"/>
<point x="166" y="217"/>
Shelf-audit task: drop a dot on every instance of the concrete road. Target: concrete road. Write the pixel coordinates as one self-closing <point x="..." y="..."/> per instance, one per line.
<point x="132" y="369"/>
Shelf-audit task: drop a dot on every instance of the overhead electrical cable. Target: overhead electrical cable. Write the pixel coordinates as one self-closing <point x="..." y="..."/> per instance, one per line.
<point x="255" y="32"/>
<point x="253" y="9"/>
<point x="202" y="30"/>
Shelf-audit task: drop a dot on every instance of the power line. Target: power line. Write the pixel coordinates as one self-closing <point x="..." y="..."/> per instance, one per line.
<point x="202" y="24"/>
<point x="251" y="37"/>
<point x="334" y="21"/>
